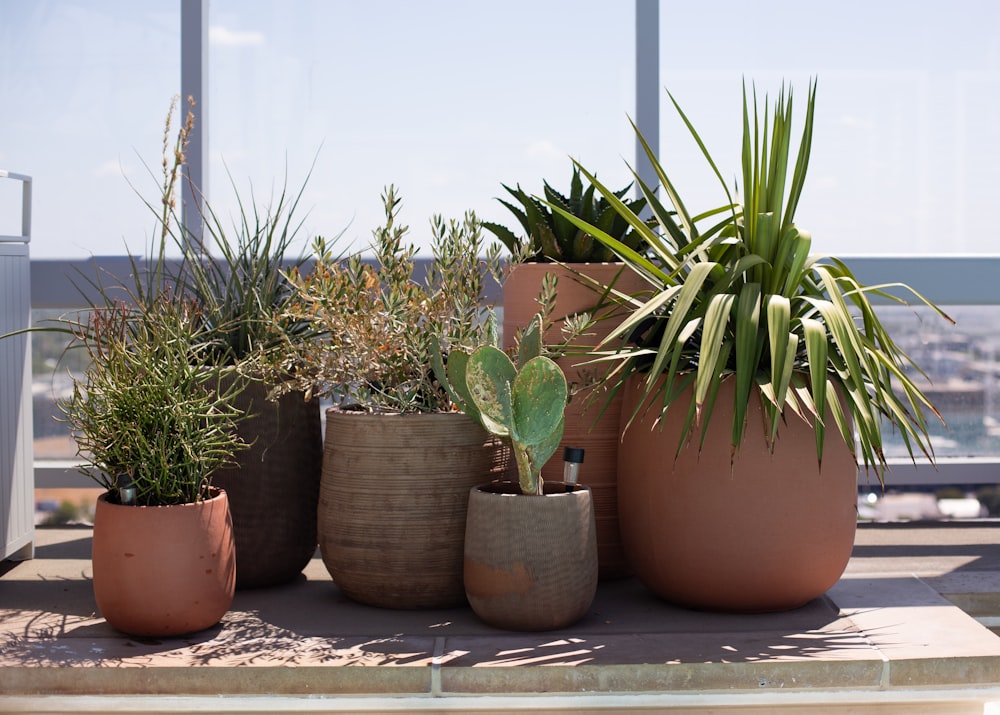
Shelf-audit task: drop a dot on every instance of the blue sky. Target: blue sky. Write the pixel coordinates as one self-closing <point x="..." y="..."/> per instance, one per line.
<point x="447" y="99"/>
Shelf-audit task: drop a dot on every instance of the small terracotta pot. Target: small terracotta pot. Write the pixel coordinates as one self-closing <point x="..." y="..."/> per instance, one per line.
<point x="164" y="570"/>
<point x="585" y="427"/>
<point x="530" y="561"/>
<point x="767" y="532"/>
<point x="393" y="502"/>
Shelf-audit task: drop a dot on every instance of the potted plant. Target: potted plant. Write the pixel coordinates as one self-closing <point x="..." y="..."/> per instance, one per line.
<point x="152" y="426"/>
<point x="236" y="275"/>
<point x="531" y="545"/>
<point x="398" y="460"/>
<point x="562" y="262"/>
<point x="752" y="368"/>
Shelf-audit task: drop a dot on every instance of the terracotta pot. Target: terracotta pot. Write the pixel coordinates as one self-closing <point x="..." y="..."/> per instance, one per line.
<point x="393" y="502"/>
<point x="586" y="427"/>
<point x="768" y="533"/>
<point x="164" y="570"/>
<point x="530" y="561"/>
<point x="274" y="489"/>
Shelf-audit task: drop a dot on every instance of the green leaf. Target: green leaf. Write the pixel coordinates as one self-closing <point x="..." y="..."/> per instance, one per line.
<point x="489" y="376"/>
<point x="534" y="420"/>
<point x="541" y="452"/>
<point x="778" y="323"/>
<point x="816" y="355"/>
<point x="457" y="370"/>
<point x="530" y="343"/>
<point x="749" y="344"/>
<point x="712" y="345"/>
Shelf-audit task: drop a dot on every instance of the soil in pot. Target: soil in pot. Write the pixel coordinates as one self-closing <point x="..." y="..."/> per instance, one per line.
<point x="530" y="561"/>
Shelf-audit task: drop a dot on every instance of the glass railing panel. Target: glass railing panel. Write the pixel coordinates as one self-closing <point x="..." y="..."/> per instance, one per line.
<point x="445" y="99"/>
<point x="962" y="376"/>
<point x="85" y="88"/>
<point x="906" y="141"/>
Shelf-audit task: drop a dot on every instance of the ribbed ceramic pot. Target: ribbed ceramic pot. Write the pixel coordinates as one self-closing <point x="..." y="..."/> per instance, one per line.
<point x="164" y="570"/>
<point x="530" y="561"/>
<point x="393" y="501"/>
<point x="768" y="531"/>
<point x="274" y="488"/>
<point x="585" y="427"/>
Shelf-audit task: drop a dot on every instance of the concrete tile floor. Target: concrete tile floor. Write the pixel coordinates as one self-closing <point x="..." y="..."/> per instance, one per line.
<point x="901" y="621"/>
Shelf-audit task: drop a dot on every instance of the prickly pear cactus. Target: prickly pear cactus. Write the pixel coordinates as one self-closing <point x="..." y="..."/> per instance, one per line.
<point x="522" y="404"/>
<point x="525" y="406"/>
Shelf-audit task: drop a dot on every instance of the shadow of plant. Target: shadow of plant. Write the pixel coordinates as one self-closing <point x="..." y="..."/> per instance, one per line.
<point x="246" y="639"/>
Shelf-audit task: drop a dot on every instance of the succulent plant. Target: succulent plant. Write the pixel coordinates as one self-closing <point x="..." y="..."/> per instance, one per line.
<point x="552" y="237"/>
<point x="521" y="404"/>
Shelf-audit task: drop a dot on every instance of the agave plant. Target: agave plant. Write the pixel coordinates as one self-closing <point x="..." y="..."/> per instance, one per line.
<point x="735" y="293"/>
<point x="549" y="236"/>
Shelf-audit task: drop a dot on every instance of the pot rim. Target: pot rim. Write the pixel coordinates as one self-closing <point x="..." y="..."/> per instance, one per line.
<point x="215" y="492"/>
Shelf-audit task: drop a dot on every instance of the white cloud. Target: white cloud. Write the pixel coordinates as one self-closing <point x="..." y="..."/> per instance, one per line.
<point x="544" y="149"/>
<point x="223" y="36"/>
<point x="854" y="122"/>
<point x="111" y="167"/>
<point x="825" y="182"/>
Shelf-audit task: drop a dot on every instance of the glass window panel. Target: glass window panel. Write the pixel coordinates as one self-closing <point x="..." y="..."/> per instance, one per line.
<point x="85" y="88"/>
<point x="962" y="369"/>
<point x="907" y="139"/>
<point x="53" y="369"/>
<point x="10" y="206"/>
<point x="446" y="99"/>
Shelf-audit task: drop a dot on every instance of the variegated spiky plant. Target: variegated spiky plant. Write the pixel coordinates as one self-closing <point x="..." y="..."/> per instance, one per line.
<point x="548" y="236"/>
<point x="734" y="292"/>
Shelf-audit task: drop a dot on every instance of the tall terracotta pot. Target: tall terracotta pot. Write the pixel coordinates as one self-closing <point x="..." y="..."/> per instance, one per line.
<point x="768" y="532"/>
<point x="530" y="561"/>
<point x="164" y="570"/>
<point x="393" y="500"/>
<point x="274" y="487"/>
<point x="586" y="427"/>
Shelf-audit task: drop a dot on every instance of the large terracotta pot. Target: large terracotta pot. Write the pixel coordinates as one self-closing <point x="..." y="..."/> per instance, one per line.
<point x="768" y="532"/>
<point x="164" y="570"/>
<point x="274" y="487"/>
<point x="585" y="427"/>
<point x="393" y="501"/>
<point x="530" y="561"/>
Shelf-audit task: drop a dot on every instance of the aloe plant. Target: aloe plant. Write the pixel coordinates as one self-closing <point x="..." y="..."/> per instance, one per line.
<point x="550" y="236"/>
<point x="734" y="292"/>
<point x="522" y="404"/>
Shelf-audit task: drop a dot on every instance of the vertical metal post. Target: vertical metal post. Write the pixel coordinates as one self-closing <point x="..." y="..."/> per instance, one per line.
<point x="194" y="85"/>
<point x="647" y="84"/>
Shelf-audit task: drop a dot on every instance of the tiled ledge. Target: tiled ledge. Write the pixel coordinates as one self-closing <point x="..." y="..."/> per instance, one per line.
<point x="882" y="635"/>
